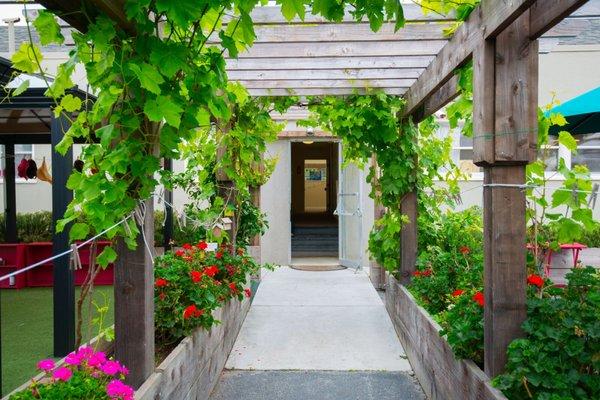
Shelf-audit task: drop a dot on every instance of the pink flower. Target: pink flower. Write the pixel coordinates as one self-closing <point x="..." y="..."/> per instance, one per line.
<point x="118" y="390"/>
<point x="97" y="359"/>
<point x="110" y="368"/>
<point x="62" y="374"/>
<point x="85" y="352"/>
<point x="73" y="359"/>
<point x="124" y="370"/>
<point x="46" y="365"/>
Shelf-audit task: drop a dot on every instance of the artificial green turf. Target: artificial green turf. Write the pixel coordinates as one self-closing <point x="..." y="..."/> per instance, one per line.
<point x="26" y="323"/>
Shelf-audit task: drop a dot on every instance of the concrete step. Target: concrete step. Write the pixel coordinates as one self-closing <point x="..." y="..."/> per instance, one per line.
<point x="317" y="385"/>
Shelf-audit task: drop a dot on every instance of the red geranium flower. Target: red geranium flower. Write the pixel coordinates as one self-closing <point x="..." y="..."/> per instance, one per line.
<point x="478" y="298"/>
<point x="160" y="282"/>
<point x="233" y="287"/>
<point x="219" y="255"/>
<point x="427" y="272"/>
<point x="417" y="273"/>
<point x="465" y="250"/>
<point x="190" y="311"/>
<point x="179" y="253"/>
<point x="202" y="245"/>
<point x="196" y="276"/>
<point x="231" y="269"/>
<point x="211" y="271"/>
<point x="457" y="292"/>
<point x="248" y="292"/>
<point x="162" y="296"/>
<point x="187" y="246"/>
<point x="535" y="280"/>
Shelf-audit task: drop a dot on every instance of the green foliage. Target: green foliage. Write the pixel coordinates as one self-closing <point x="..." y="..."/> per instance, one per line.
<point x="384" y="239"/>
<point x="567" y="217"/>
<point x="450" y="258"/>
<point x="462" y="325"/>
<point x="191" y="283"/>
<point x="253" y="222"/>
<point x="560" y="357"/>
<point x="31" y="227"/>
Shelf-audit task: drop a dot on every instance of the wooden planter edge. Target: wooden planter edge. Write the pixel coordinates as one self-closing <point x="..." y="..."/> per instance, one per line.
<point x="193" y="368"/>
<point x="439" y="372"/>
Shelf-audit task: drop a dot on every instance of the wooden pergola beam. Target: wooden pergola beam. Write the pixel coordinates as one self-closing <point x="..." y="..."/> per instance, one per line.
<point x="322" y="91"/>
<point x="484" y="23"/>
<point x="329" y="63"/>
<point x="547" y="13"/>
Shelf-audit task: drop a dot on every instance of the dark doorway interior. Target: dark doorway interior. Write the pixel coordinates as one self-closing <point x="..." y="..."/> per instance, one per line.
<point x="314" y="199"/>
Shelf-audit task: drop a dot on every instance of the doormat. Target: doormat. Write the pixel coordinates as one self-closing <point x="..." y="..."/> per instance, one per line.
<point x="317" y="268"/>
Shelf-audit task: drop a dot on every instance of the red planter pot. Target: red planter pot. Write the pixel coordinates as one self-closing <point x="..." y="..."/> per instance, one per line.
<point x="21" y="255"/>
<point x="13" y="255"/>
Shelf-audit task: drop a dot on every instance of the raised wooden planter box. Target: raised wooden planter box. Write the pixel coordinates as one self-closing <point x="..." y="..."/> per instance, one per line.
<point x="441" y="375"/>
<point x="193" y="368"/>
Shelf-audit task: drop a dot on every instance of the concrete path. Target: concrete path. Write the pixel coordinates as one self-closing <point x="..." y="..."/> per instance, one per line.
<point x="302" y="326"/>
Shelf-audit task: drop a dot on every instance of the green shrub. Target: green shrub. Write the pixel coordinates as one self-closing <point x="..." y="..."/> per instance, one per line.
<point x="560" y="357"/>
<point x="31" y="227"/>
<point x="253" y="222"/>
<point x="451" y="259"/>
<point x="462" y="324"/>
<point x="384" y="240"/>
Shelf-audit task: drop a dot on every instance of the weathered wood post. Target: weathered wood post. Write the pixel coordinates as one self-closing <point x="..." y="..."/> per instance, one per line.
<point x="134" y="303"/>
<point x="505" y="134"/>
<point x="409" y="231"/>
<point x="408" y="237"/>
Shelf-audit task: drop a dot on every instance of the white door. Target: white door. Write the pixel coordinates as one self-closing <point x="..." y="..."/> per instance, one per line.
<point x="349" y="211"/>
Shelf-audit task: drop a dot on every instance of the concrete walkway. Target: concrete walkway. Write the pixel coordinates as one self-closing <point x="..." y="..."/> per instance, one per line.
<point x="311" y="332"/>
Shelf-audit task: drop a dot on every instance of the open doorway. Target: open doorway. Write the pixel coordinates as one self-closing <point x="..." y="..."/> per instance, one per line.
<point x="315" y="231"/>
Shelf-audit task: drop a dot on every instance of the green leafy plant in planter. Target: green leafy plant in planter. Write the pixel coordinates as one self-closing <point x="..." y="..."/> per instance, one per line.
<point x="462" y="324"/>
<point x="191" y="283"/>
<point x="451" y="258"/>
<point x="560" y="356"/>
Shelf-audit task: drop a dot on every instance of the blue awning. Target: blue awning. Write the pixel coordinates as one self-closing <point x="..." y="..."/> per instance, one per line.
<point x="582" y="113"/>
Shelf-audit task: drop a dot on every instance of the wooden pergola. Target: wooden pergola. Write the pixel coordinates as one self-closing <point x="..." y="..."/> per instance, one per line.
<point x="314" y="57"/>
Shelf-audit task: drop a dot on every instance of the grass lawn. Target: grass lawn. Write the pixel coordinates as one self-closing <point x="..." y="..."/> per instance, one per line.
<point x="26" y="323"/>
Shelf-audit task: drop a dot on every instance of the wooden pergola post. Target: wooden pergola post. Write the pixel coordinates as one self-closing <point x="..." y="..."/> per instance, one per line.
<point x="408" y="237"/>
<point x="134" y="303"/>
<point x="505" y="130"/>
